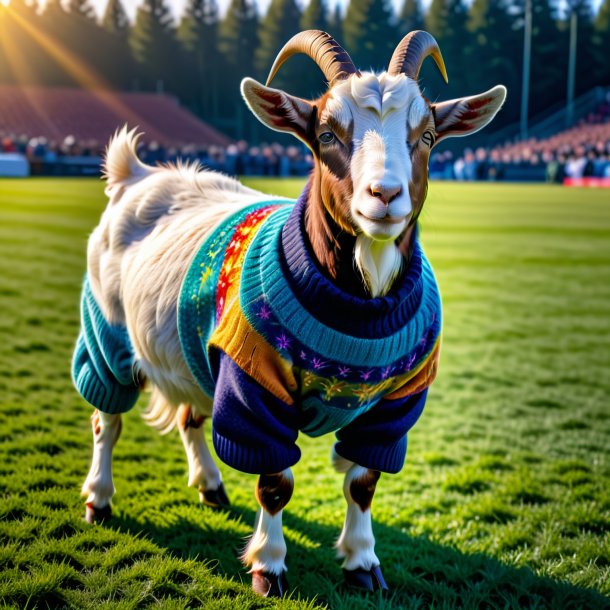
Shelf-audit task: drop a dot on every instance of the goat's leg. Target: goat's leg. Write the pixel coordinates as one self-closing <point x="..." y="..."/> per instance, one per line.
<point x="98" y="486"/>
<point x="203" y="472"/>
<point x="356" y="545"/>
<point x="266" y="550"/>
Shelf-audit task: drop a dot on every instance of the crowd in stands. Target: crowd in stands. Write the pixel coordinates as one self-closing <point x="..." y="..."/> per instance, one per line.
<point x="582" y="151"/>
<point x="579" y="152"/>
<point x="59" y="158"/>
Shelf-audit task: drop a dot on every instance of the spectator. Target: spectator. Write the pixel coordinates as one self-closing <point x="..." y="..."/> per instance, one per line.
<point x="583" y="150"/>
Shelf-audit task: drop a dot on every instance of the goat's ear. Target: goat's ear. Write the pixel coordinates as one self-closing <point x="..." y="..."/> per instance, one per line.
<point x="277" y="109"/>
<point x="466" y="115"/>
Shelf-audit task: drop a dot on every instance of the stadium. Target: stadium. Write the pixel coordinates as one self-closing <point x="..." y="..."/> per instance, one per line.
<point x="504" y="499"/>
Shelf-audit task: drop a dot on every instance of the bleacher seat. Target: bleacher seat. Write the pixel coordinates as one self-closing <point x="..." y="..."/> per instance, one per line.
<point x="94" y="115"/>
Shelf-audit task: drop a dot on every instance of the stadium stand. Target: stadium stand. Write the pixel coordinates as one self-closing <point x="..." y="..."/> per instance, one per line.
<point x="53" y="113"/>
<point x="65" y="131"/>
<point x="66" y="128"/>
<point x="579" y="155"/>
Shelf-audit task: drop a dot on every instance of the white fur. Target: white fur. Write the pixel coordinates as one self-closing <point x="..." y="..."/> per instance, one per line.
<point x="340" y="464"/>
<point x="203" y="472"/>
<point x="139" y="253"/>
<point x="159" y="414"/>
<point x="356" y="544"/>
<point x="378" y="262"/>
<point x="382" y="107"/>
<point x="266" y="550"/>
<point x="98" y="487"/>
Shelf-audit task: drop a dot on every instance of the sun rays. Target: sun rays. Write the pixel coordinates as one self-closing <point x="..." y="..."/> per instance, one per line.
<point x="79" y="71"/>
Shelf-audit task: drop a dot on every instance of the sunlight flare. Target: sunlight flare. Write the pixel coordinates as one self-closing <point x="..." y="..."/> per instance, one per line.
<point x="83" y="74"/>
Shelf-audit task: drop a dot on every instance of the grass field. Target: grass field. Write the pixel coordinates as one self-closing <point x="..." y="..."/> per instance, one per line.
<point x="505" y="498"/>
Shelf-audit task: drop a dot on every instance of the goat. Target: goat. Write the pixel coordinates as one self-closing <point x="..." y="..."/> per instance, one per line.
<point x="272" y="316"/>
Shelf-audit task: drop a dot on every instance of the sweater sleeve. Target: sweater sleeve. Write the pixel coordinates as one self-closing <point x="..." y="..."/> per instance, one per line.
<point x="377" y="439"/>
<point x="103" y="359"/>
<point x="253" y="431"/>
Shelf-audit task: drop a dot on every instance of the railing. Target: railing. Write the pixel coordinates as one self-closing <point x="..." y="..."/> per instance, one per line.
<point x="558" y="121"/>
<point x="553" y="120"/>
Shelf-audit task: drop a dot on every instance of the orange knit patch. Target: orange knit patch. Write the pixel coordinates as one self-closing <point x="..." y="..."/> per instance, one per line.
<point x="419" y="378"/>
<point x="236" y="338"/>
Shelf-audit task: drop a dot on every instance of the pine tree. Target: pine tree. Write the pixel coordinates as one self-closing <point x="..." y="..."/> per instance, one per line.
<point x="239" y="37"/>
<point x="601" y="41"/>
<point x="586" y="57"/>
<point x="115" y="18"/>
<point x="549" y="64"/>
<point x="336" y="23"/>
<point x="198" y="38"/>
<point x="411" y="17"/>
<point x="116" y="63"/>
<point x="81" y="8"/>
<point x="311" y="82"/>
<point x="602" y="21"/>
<point x="369" y="34"/>
<point x="486" y="52"/>
<point x="153" y="45"/>
<point x="238" y="43"/>
<point x="315" y="16"/>
<point x="446" y="21"/>
<point x="56" y="23"/>
<point x="548" y="61"/>
<point x="16" y="42"/>
<point x="280" y="23"/>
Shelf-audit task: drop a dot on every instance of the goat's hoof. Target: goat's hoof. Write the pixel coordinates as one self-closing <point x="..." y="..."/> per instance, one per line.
<point x="267" y="584"/>
<point x="97" y="515"/>
<point x="368" y="580"/>
<point x="216" y="498"/>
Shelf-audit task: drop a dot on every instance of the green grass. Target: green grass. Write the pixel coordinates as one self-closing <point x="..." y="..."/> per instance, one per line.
<point x="505" y="498"/>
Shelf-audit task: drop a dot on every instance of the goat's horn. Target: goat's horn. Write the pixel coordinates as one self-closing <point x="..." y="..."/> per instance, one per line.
<point x="328" y="54"/>
<point x="410" y="53"/>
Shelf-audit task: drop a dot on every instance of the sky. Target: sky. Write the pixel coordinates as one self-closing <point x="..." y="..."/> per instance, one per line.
<point x="177" y="5"/>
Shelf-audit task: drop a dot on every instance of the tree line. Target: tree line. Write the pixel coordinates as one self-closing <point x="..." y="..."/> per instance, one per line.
<point x="202" y="57"/>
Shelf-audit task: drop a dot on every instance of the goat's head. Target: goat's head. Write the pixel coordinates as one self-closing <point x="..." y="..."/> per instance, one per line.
<point x="370" y="134"/>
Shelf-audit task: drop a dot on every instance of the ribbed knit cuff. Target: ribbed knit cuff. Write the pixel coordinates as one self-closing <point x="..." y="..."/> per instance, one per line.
<point x="385" y="458"/>
<point x="110" y="398"/>
<point x="255" y="460"/>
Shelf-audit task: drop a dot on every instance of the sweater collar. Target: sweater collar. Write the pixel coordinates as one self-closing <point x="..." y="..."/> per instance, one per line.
<point x="340" y="310"/>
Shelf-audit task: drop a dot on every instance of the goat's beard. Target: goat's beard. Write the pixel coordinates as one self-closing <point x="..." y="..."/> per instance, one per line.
<point x="379" y="263"/>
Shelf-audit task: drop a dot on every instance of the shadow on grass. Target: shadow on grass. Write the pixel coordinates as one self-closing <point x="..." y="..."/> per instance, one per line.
<point x="420" y="573"/>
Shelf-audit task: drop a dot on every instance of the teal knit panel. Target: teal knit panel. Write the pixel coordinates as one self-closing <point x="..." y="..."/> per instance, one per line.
<point x="102" y="365"/>
<point x="197" y="301"/>
<point x="263" y="280"/>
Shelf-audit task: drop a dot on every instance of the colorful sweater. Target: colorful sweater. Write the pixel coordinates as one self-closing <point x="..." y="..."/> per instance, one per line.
<point x="282" y="349"/>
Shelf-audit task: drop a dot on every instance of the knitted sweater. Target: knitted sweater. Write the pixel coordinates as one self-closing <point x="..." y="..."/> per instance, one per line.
<point x="282" y="349"/>
<point x="260" y="325"/>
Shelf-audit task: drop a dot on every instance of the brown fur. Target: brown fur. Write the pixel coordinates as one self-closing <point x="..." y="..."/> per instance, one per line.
<point x="187" y="419"/>
<point x="273" y="492"/>
<point x="362" y="489"/>
<point x="418" y="186"/>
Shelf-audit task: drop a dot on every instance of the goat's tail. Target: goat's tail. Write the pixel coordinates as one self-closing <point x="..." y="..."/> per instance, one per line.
<point x="159" y="413"/>
<point x="121" y="163"/>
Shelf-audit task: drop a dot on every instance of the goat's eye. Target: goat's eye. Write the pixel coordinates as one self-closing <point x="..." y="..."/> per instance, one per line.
<point x="428" y="138"/>
<point x="327" y="137"/>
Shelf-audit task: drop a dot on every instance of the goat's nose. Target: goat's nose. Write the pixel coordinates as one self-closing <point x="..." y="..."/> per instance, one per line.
<point x="386" y="192"/>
